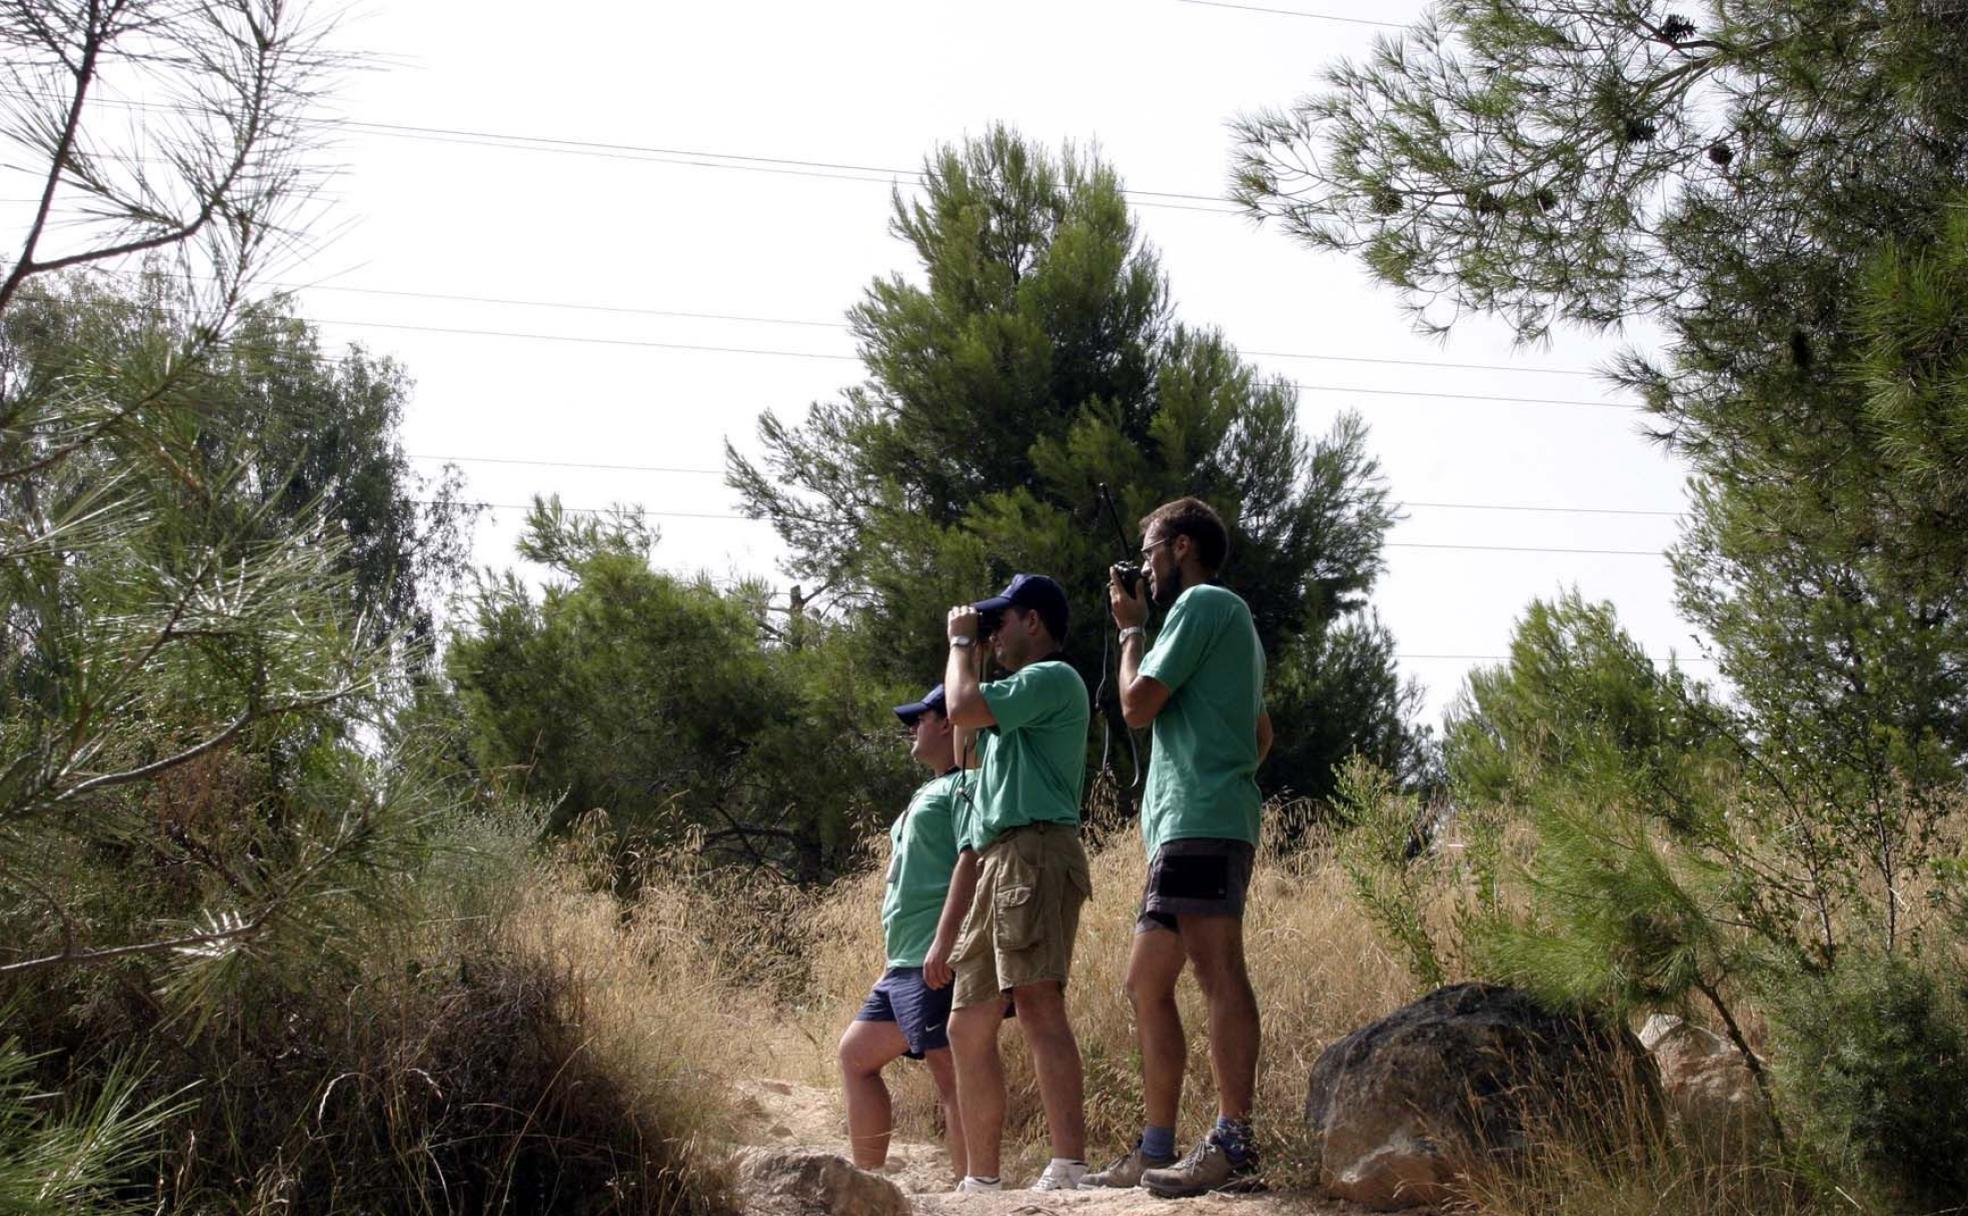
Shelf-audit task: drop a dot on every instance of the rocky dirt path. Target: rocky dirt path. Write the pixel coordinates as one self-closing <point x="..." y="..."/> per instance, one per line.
<point x="789" y="1115"/>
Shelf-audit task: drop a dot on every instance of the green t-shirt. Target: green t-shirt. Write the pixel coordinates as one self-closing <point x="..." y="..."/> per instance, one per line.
<point x="922" y="852"/>
<point x="1202" y="778"/>
<point x="1032" y="764"/>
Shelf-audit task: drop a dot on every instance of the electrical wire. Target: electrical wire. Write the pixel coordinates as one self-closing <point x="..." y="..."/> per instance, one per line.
<point x="625" y="310"/>
<point x="520" y="335"/>
<point x="735" y="517"/>
<point x="1293" y="12"/>
<point x="710" y="472"/>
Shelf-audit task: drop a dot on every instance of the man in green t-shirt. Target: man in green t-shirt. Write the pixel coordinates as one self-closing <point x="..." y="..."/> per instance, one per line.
<point x="1014" y="907"/>
<point x="1202" y="688"/>
<point x="904" y="1016"/>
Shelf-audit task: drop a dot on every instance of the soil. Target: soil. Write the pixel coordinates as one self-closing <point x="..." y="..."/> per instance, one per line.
<point x="786" y="1114"/>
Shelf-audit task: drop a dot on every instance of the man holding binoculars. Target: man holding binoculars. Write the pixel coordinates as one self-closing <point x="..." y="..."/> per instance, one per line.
<point x="1013" y="908"/>
<point x="1202" y="688"/>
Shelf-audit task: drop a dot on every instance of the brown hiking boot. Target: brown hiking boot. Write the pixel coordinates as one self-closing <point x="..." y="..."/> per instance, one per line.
<point x="1126" y="1170"/>
<point x="1207" y="1168"/>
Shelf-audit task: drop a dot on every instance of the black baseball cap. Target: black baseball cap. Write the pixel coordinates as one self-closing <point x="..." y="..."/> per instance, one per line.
<point x="933" y="699"/>
<point x="1034" y="593"/>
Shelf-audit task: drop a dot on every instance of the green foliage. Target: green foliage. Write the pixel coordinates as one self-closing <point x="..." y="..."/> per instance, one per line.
<point x="1387" y="856"/>
<point x="1034" y="358"/>
<point x="309" y="435"/>
<point x="206" y="578"/>
<point x="1878" y="1053"/>
<point x="1780" y="189"/>
<point x="213" y="574"/>
<point x="1580" y="705"/>
<point x="82" y="1158"/>
<point x="1618" y="918"/>
<point x="675" y="707"/>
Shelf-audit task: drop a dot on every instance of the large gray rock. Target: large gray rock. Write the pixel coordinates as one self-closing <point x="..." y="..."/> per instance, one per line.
<point x="798" y="1182"/>
<point x="1710" y="1092"/>
<point x="1400" y="1108"/>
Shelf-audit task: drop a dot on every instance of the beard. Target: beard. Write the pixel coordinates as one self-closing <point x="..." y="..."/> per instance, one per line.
<point x="1164" y="590"/>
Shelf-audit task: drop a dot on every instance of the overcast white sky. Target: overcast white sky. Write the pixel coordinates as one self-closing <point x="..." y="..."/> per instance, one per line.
<point x="876" y="85"/>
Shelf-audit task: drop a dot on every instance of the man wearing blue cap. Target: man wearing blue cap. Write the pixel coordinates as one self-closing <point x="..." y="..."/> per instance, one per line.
<point x="1014" y="905"/>
<point x="904" y="1016"/>
<point x="1202" y="687"/>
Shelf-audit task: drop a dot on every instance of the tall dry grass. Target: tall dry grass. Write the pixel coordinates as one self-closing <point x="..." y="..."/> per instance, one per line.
<point x="1318" y="968"/>
<point x="517" y="1038"/>
<point x="1321" y="970"/>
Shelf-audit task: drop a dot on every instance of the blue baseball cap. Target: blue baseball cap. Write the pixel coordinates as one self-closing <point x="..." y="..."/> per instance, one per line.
<point x="1034" y="593"/>
<point x="933" y="699"/>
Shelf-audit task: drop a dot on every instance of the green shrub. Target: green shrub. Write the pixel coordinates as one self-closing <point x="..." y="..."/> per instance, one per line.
<point x="1877" y="1055"/>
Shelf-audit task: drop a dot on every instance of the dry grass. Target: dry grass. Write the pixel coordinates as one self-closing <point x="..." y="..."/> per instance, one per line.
<point x="529" y="1046"/>
<point x="1318" y="969"/>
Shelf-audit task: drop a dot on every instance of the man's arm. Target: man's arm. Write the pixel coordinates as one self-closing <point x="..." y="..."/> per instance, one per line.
<point x="1263" y="734"/>
<point x="965" y="739"/>
<point x="963" y="696"/>
<point x="1142" y="697"/>
<point x="956" y="904"/>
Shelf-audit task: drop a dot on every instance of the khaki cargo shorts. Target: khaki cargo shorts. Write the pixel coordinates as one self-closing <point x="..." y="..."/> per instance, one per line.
<point x="1022" y="921"/>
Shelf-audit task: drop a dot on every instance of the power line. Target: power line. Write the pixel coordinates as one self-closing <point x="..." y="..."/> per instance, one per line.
<point x="643" y="343"/>
<point x="627" y="310"/>
<point x="1293" y="12"/>
<point x="632" y="508"/>
<point x="715" y="160"/>
<point x="689" y="157"/>
<point x="807" y="354"/>
<point x="1506" y="658"/>
<point x="710" y="472"/>
<point x="583" y="339"/>
<point x="1487" y="506"/>
<point x="513" y="506"/>
<point x="565" y="464"/>
<point x="1410" y="544"/>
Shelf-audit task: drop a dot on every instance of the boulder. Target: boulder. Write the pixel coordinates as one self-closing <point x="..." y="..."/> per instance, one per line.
<point x="799" y="1182"/>
<point x="1711" y="1094"/>
<point x="1400" y="1108"/>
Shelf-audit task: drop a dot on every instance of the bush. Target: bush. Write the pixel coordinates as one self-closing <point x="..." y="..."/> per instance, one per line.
<point x="501" y="1037"/>
<point x="1876" y="1053"/>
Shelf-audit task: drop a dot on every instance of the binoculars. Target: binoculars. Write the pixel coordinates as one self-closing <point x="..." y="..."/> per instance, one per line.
<point x="1130" y="575"/>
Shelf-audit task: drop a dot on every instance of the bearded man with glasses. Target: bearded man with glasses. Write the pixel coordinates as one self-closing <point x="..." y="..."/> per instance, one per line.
<point x="1201" y="686"/>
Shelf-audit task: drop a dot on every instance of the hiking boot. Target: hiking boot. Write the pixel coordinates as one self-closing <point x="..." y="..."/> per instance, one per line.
<point x="1126" y="1170"/>
<point x="1207" y="1168"/>
<point x="1061" y="1176"/>
<point x="972" y="1186"/>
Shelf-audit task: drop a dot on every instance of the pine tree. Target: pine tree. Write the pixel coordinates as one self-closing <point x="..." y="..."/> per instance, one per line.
<point x="1778" y="187"/>
<point x="1036" y="358"/>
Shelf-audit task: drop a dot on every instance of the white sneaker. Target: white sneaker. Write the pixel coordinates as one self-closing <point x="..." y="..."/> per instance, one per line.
<point x="970" y="1186"/>
<point x="1061" y="1176"/>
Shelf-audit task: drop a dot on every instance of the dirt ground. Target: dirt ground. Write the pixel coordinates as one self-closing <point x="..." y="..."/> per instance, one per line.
<point x="786" y="1114"/>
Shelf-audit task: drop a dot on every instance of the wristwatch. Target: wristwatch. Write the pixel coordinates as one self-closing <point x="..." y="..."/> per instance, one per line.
<point x="1133" y="631"/>
<point x="963" y="643"/>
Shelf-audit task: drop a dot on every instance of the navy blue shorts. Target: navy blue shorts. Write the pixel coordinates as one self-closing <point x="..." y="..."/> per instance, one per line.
<point x="920" y="1012"/>
<point x="1195" y="877"/>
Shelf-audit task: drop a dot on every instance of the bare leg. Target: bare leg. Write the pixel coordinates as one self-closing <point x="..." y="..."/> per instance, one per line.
<point x="1216" y="949"/>
<point x="1154" y="965"/>
<point x="980" y="1083"/>
<point x="943" y="1070"/>
<point x="1056" y="1059"/>
<point x="864" y="1049"/>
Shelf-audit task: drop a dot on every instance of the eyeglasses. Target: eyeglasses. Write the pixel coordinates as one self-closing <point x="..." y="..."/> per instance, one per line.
<point x="1148" y="550"/>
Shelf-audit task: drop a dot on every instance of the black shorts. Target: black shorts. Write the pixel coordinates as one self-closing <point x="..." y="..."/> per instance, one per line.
<point x="920" y="1012"/>
<point x="1198" y="877"/>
